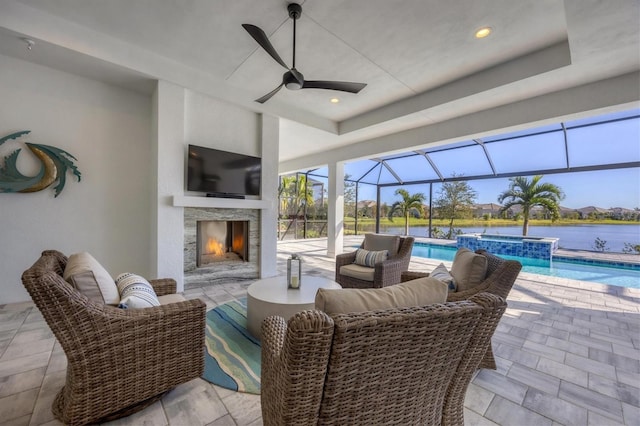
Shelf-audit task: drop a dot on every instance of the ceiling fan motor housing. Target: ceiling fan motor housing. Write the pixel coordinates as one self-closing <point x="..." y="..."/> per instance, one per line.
<point x="295" y="10"/>
<point x="291" y="82"/>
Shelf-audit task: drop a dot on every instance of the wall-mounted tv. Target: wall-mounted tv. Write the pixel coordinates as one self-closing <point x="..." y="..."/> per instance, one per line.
<point x="223" y="173"/>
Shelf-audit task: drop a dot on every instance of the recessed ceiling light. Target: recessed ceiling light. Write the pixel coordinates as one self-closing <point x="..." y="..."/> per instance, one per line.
<point x="483" y="32"/>
<point x="334" y="100"/>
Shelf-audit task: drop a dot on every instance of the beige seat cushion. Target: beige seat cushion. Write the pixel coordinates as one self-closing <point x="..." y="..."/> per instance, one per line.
<point x="171" y="298"/>
<point x="379" y="242"/>
<point x="90" y="278"/>
<point x="468" y="269"/>
<point x="358" y="271"/>
<point x="420" y="292"/>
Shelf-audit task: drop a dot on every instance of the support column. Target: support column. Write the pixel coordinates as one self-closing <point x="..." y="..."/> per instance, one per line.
<point x="269" y="191"/>
<point x="167" y="235"/>
<point x="335" y="214"/>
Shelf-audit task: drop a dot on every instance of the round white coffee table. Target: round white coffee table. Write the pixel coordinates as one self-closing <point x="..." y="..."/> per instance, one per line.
<point x="270" y="296"/>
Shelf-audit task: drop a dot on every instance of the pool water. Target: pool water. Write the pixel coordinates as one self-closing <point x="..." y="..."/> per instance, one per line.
<point x="623" y="276"/>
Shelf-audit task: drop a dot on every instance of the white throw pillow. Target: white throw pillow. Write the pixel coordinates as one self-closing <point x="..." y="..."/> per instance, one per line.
<point x="135" y="292"/>
<point x="441" y="273"/>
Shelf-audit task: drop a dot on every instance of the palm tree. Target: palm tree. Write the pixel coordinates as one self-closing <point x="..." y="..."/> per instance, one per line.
<point x="409" y="204"/>
<point x="293" y="194"/>
<point x="529" y="193"/>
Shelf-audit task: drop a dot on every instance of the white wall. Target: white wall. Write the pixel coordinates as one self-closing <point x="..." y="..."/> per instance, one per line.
<point x="131" y="150"/>
<point x="108" y="130"/>
<point x="183" y="117"/>
<point x="216" y="124"/>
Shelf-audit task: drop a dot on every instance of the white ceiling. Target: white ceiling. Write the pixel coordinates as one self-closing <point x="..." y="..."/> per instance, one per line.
<point x="419" y="58"/>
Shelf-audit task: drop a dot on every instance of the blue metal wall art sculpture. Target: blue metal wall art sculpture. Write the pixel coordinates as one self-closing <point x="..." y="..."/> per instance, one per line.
<point x="54" y="166"/>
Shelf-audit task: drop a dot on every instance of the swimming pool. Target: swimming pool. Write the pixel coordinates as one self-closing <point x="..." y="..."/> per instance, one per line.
<point x="623" y="275"/>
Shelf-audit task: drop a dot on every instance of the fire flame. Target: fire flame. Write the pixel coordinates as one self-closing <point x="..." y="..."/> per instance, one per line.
<point x="238" y="244"/>
<point x="214" y="247"/>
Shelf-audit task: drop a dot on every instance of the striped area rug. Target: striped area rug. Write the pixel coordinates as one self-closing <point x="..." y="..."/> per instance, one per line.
<point x="232" y="358"/>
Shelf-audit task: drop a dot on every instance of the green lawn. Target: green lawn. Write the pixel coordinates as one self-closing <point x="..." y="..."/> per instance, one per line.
<point x="349" y="221"/>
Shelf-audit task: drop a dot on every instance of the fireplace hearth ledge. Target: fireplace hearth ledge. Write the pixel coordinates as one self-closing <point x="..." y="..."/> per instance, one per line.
<point x="221" y="203"/>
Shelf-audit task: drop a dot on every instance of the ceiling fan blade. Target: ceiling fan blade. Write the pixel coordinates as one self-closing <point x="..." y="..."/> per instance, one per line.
<point x="343" y="86"/>
<point x="268" y="96"/>
<point x="262" y="39"/>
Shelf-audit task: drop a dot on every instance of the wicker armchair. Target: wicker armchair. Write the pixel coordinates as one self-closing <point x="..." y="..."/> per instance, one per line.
<point x="119" y="361"/>
<point x="388" y="272"/>
<point x="501" y="275"/>
<point x="397" y="366"/>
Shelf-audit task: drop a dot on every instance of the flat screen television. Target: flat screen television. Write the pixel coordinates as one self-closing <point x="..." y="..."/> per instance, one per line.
<point x="223" y="173"/>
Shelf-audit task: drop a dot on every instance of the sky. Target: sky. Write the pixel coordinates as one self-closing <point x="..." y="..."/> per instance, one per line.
<point x="590" y="142"/>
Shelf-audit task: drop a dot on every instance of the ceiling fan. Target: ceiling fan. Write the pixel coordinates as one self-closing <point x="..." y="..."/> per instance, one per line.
<point x="293" y="79"/>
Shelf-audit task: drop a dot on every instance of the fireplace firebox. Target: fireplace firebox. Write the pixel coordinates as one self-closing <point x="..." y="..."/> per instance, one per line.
<point x="221" y="241"/>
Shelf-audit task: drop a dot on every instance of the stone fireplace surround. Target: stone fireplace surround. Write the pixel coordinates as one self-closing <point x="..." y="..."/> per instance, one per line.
<point x="212" y="273"/>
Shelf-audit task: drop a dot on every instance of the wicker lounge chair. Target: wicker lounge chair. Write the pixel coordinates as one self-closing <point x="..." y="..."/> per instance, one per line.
<point x="396" y="366"/>
<point x="501" y="275"/>
<point x="119" y="361"/>
<point x="384" y="274"/>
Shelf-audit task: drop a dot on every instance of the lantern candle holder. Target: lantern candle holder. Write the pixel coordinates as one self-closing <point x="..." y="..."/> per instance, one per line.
<point x="294" y="271"/>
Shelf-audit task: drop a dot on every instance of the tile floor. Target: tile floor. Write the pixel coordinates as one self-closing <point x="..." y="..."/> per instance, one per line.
<point x="567" y="352"/>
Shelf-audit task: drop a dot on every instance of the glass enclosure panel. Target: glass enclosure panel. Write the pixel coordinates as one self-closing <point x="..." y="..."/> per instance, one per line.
<point x="318" y="185"/>
<point x="386" y="176"/>
<point x="466" y="161"/>
<point x="606" y="143"/>
<point x="321" y="171"/>
<point x="530" y="153"/>
<point x="413" y="168"/>
<point x="520" y="133"/>
<point x="601" y="118"/>
<point x="449" y="146"/>
<point x="396" y="225"/>
<point x="361" y="170"/>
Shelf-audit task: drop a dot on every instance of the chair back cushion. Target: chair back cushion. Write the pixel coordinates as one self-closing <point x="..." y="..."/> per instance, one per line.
<point x="469" y="269"/>
<point x="379" y="242"/>
<point x="420" y="292"/>
<point x="90" y="278"/>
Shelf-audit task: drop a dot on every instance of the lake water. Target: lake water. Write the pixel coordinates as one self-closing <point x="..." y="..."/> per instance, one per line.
<point x="571" y="237"/>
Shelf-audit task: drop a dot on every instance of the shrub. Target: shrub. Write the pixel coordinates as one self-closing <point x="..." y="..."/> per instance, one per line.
<point x="600" y="245"/>
<point x="631" y="248"/>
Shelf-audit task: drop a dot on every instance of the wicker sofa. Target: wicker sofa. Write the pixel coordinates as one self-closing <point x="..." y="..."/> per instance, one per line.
<point x="119" y="361"/>
<point x="395" y="366"/>
<point x="385" y="273"/>
<point x="500" y="277"/>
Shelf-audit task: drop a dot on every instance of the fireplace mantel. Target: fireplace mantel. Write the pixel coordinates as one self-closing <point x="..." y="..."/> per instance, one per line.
<point x="222" y="203"/>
